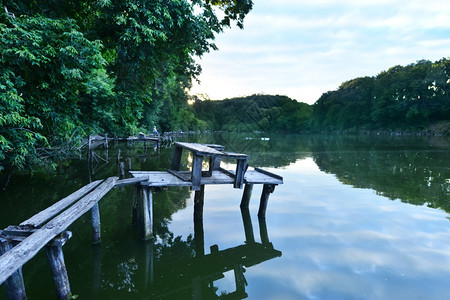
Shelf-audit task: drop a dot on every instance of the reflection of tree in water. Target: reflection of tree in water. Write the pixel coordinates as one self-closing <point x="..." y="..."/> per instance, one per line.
<point x="265" y="150"/>
<point x="398" y="168"/>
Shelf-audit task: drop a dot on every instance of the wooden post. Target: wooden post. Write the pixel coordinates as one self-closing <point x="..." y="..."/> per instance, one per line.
<point x="89" y="143"/>
<point x="105" y="143"/>
<point x="58" y="267"/>
<point x="196" y="176"/>
<point x="198" y="203"/>
<point x="134" y="214"/>
<point x="128" y="163"/>
<point x="121" y="170"/>
<point x="247" y="195"/>
<point x="240" y="173"/>
<point x="248" y="227"/>
<point x="214" y="163"/>
<point x="15" y="287"/>
<point x="199" y="238"/>
<point x="267" y="189"/>
<point x="145" y="212"/>
<point x="176" y="161"/>
<point x="96" y="225"/>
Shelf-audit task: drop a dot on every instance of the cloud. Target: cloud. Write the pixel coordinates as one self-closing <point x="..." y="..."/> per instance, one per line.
<point x="303" y="48"/>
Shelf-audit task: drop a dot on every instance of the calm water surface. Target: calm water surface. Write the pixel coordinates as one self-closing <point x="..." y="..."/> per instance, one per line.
<point x="357" y="217"/>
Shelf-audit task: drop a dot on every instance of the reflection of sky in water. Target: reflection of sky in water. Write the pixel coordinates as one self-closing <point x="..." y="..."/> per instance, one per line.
<point x="338" y="242"/>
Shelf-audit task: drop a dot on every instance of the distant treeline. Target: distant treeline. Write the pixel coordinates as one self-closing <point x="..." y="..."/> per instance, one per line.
<point x="411" y="97"/>
<point x="254" y="113"/>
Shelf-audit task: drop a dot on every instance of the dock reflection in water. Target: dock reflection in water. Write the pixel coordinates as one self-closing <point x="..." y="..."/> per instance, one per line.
<point x="177" y="269"/>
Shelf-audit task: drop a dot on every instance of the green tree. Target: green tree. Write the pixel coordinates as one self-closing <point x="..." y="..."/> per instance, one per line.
<point x="70" y="68"/>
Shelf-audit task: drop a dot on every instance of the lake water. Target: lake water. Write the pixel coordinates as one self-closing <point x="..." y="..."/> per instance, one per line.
<point x="358" y="217"/>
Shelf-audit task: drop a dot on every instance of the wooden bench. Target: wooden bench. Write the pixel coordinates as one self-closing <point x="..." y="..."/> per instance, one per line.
<point x="199" y="151"/>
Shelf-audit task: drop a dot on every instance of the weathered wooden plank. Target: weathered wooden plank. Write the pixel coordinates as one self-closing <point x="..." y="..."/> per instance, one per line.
<point x="269" y="173"/>
<point x="20" y="254"/>
<point x="39" y="218"/>
<point x="233" y="155"/>
<point x="128" y="181"/>
<point x="222" y="176"/>
<point x="181" y="175"/>
<point x="215" y="146"/>
<point x="229" y="173"/>
<point x="160" y="178"/>
<point x="257" y="177"/>
<point x="200" y="149"/>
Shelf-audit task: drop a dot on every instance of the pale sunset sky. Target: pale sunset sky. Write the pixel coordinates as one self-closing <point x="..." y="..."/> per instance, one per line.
<point x="302" y="49"/>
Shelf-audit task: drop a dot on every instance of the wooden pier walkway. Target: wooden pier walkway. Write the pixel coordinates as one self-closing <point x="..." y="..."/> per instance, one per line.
<point x="48" y="228"/>
<point x="97" y="140"/>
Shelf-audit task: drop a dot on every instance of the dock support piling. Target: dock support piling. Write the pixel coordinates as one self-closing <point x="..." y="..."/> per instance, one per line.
<point x="176" y="161"/>
<point x="196" y="171"/>
<point x="267" y="190"/>
<point x="96" y="225"/>
<point x="128" y="163"/>
<point x="121" y="170"/>
<point x="240" y="173"/>
<point x="199" y="200"/>
<point x="145" y="212"/>
<point x="134" y="214"/>
<point x="105" y="142"/>
<point x="14" y="285"/>
<point x="248" y="189"/>
<point x="199" y="238"/>
<point x="214" y="163"/>
<point x="58" y="267"/>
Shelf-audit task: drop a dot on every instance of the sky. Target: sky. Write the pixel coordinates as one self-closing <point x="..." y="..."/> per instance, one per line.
<point x="303" y="49"/>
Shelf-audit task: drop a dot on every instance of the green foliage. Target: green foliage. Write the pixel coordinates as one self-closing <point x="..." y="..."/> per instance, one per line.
<point x="69" y="68"/>
<point x="47" y="66"/>
<point x="410" y="97"/>
<point x="255" y="113"/>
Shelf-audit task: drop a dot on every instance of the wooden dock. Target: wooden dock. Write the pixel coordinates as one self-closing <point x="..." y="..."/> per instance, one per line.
<point x="48" y="228"/>
<point x="95" y="141"/>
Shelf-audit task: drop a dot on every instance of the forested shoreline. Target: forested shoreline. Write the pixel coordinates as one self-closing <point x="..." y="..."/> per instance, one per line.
<point x="413" y="98"/>
<point x="121" y="67"/>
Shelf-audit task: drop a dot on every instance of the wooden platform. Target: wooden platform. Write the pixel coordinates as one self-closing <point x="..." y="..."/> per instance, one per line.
<point x="182" y="178"/>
